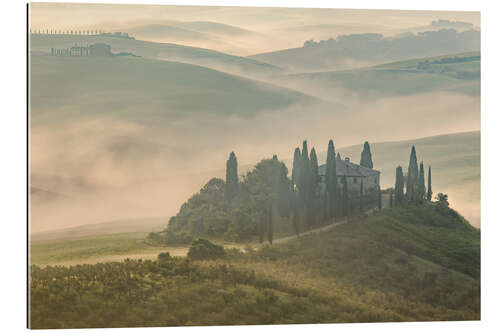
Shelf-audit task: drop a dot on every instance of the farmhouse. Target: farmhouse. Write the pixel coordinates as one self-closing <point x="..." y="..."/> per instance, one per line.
<point x="355" y="174"/>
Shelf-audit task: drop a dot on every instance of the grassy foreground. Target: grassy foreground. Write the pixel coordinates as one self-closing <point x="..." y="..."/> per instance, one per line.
<point x="404" y="264"/>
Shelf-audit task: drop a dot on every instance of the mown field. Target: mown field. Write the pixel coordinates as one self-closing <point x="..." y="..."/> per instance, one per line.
<point x="412" y="263"/>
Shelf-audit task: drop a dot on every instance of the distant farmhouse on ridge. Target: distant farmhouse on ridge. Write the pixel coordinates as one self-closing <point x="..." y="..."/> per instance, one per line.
<point x="355" y="175"/>
<point x="93" y="50"/>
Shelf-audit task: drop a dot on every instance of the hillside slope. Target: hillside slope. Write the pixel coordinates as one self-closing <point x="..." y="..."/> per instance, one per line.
<point x="461" y="74"/>
<point x="152" y="50"/>
<point x="146" y="88"/>
<point x="405" y="264"/>
<point x="351" y="51"/>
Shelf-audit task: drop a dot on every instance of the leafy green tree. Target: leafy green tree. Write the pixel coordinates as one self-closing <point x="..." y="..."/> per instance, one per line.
<point x="399" y="187"/>
<point x="331" y="180"/>
<point x="284" y="192"/>
<point x="231" y="177"/>
<point x="366" y="156"/>
<point x="412" y="181"/>
<point x="442" y="199"/>
<point x="429" y="185"/>
<point x="270" y="228"/>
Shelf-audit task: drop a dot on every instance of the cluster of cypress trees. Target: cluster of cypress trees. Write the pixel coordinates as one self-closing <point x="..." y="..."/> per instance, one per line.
<point x="304" y="196"/>
<point x="415" y="182"/>
<point x="310" y="201"/>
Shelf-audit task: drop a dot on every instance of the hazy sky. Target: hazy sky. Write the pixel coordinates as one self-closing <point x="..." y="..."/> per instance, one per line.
<point x="271" y="28"/>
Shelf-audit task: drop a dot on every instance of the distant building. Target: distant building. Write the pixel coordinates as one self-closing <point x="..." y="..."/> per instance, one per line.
<point x="355" y="174"/>
<point x="95" y="50"/>
<point x="100" y="50"/>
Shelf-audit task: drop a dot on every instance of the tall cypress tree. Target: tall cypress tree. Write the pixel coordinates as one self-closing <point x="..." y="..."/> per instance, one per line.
<point x="313" y="202"/>
<point x="421" y="183"/>
<point x="314" y="170"/>
<point x="296" y="174"/>
<point x="429" y="186"/>
<point x="411" y="183"/>
<point x="366" y="156"/>
<point x="391" y="199"/>
<point x="399" y="187"/>
<point x="338" y="156"/>
<point x="305" y="175"/>
<point x="331" y="180"/>
<point x="345" y="197"/>
<point x="231" y="177"/>
<point x="297" y="161"/>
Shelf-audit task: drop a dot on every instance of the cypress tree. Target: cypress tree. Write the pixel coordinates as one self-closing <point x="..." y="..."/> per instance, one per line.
<point x="231" y="188"/>
<point x="421" y="183"/>
<point x="345" y="197"/>
<point x="399" y="187"/>
<point x="391" y="198"/>
<point x="314" y="170"/>
<point x="313" y="202"/>
<point x="338" y="156"/>
<point x="297" y="159"/>
<point x="305" y="175"/>
<point x="411" y="183"/>
<point x="429" y="187"/>
<point x="331" y="179"/>
<point x="366" y="156"/>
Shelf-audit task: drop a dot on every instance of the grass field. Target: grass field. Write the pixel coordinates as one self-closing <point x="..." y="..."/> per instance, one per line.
<point x="101" y="248"/>
<point x="406" y="264"/>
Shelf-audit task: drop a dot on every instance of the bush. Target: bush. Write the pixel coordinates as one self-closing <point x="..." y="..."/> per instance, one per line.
<point x="204" y="249"/>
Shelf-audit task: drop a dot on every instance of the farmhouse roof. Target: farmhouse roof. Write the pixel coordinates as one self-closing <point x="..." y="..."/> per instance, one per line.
<point x="349" y="169"/>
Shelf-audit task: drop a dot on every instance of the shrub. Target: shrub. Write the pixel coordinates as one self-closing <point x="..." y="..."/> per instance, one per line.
<point x="204" y="249"/>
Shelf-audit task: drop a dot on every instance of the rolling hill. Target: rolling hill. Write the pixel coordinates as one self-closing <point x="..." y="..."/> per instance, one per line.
<point x="461" y="74"/>
<point x="357" y="50"/>
<point x="165" y="51"/>
<point x="147" y="88"/>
